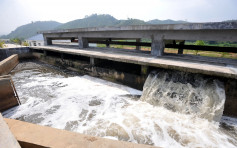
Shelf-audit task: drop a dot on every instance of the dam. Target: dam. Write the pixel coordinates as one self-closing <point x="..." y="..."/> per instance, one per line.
<point x="150" y="98"/>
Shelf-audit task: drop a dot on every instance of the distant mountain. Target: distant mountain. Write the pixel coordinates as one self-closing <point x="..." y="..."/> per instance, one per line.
<point x="31" y="29"/>
<point x="90" y="21"/>
<point x="156" y="21"/>
<point x="93" y="20"/>
<point x="103" y="20"/>
<point x="130" y="22"/>
<point x="230" y="21"/>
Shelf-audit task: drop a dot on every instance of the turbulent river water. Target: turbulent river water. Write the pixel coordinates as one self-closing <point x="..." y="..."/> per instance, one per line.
<point x="167" y="113"/>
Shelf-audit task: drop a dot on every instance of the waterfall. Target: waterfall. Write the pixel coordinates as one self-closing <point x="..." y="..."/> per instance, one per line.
<point x="186" y="93"/>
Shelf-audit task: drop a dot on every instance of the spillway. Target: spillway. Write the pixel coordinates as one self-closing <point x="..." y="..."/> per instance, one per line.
<point x="174" y="109"/>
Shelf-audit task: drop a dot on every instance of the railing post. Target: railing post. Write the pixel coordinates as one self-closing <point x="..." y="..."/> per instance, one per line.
<point x="138" y="47"/>
<point x="108" y="43"/>
<point x="180" y="50"/>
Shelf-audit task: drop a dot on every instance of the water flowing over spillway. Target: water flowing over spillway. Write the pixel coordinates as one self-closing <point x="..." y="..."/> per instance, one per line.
<point x="97" y="107"/>
<point x="185" y="93"/>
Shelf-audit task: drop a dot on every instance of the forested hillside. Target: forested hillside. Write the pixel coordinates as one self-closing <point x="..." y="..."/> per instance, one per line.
<point x="94" y="20"/>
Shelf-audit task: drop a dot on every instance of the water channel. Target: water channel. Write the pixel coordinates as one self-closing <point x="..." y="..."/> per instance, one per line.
<point x="157" y="116"/>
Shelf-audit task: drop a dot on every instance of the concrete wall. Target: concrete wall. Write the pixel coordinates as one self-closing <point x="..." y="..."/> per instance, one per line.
<point x="8" y="97"/>
<point x="7" y="140"/>
<point x="23" y="52"/>
<point x="92" y="68"/>
<point x="8" y="64"/>
<point x="36" y="136"/>
<point x="230" y="108"/>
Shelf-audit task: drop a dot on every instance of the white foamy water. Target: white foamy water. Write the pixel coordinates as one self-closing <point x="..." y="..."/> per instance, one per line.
<point x="186" y="93"/>
<point x="100" y="108"/>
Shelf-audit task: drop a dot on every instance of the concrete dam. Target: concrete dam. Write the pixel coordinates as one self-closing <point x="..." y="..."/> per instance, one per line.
<point x="140" y="98"/>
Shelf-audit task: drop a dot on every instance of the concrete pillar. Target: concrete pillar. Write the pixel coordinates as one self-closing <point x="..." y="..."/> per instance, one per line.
<point x="180" y="50"/>
<point x="138" y="47"/>
<point x="83" y="42"/>
<point x="157" y="46"/>
<point x="144" y="70"/>
<point x="93" y="61"/>
<point x="45" y="53"/>
<point x="47" y="41"/>
<point x="62" y="56"/>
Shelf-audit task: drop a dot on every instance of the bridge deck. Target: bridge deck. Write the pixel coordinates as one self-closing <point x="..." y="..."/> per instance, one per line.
<point x="228" y="69"/>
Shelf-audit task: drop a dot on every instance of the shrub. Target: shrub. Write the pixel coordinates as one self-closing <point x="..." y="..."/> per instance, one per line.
<point x="2" y="44"/>
<point x="16" y="41"/>
<point x="200" y="43"/>
<point x="25" y="43"/>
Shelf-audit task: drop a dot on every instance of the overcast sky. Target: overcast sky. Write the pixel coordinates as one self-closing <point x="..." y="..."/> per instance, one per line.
<point x="14" y="13"/>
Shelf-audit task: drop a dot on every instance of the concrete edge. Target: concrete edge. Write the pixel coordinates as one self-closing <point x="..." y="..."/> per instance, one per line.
<point x="8" y="64"/>
<point x="29" y="134"/>
<point x="6" y="137"/>
<point x="187" y="26"/>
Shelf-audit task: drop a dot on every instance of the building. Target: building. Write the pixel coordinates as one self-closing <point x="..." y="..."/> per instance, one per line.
<point x="37" y="40"/>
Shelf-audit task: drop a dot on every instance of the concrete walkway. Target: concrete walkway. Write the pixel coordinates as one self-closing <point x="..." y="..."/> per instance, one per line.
<point x="228" y="70"/>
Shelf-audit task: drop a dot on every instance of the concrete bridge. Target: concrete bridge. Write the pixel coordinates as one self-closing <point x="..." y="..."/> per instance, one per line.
<point x="161" y="36"/>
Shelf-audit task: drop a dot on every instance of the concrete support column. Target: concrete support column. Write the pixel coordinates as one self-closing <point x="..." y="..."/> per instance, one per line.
<point x="47" y="41"/>
<point x="157" y="46"/>
<point x="62" y="56"/>
<point x="83" y="42"/>
<point x="138" y="47"/>
<point x="45" y="53"/>
<point x="144" y="70"/>
<point x="93" y="61"/>
<point x="180" y="50"/>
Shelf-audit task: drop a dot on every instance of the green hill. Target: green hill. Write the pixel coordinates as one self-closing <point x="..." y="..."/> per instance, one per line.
<point x="103" y="20"/>
<point x="156" y="21"/>
<point x="90" y="21"/>
<point x="129" y="22"/>
<point x="93" y="20"/>
<point x="31" y="29"/>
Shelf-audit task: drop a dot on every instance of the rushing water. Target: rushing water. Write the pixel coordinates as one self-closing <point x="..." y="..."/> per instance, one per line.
<point x="166" y="115"/>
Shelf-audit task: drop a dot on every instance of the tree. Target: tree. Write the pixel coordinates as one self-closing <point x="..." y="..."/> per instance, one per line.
<point x="25" y="43"/>
<point x="199" y="42"/>
<point x="2" y="44"/>
<point x="16" y="41"/>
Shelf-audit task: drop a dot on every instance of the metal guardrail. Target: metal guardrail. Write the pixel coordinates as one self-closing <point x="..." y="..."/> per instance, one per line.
<point x="186" y="47"/>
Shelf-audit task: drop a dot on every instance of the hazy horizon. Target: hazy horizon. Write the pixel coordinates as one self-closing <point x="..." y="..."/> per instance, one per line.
<point x="20" y="12"/>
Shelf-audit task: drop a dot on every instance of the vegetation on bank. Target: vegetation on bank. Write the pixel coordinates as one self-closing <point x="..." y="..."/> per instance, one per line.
<point x="17" y="41"/>
<point x="25" y="44"/>
<point x="2" y="44"/>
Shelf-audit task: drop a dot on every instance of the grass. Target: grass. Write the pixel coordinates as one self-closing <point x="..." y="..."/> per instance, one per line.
<point x="204" y="53"/>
